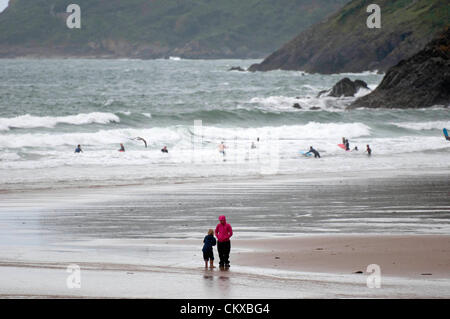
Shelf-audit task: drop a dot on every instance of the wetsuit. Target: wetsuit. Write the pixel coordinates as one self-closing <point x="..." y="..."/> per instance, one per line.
<point x="316" y="154"/>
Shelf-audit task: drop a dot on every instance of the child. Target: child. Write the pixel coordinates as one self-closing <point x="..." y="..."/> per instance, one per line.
<point x="208" y="253"/>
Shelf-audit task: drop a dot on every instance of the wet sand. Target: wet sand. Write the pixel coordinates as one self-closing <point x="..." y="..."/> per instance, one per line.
<point x="409" y="256"/>
<point x="294" y="238"/>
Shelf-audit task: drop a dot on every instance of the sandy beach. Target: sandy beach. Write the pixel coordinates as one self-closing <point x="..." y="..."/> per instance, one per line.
<point x="145" y="242"/>
<point x="409" y="256"/>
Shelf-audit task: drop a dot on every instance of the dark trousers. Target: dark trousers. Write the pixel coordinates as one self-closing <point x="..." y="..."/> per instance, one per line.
<point x="224" y="252"/>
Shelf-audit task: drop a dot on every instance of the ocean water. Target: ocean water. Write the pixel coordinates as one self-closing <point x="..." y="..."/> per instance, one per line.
<point x="47" y="107"/>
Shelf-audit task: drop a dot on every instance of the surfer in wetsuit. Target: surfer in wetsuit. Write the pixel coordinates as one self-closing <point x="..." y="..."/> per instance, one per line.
<point x="368" y="150"/>
<point x="165" y="150"/>
<point x="78" y="149"/>
<point x="312" y="150"/>
<point x="122" y="148"/>
<point x="347" y="145"/>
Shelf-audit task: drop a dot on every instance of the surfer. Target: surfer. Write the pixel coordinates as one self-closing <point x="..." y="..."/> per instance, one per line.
<point x="141" y="139"/>
<point x="208" y="255"/>
<point x="78" y="149"/>
<point x="356" y="148"/>
<point x="223" y="233"/>
<point x="347" y="145"/>
<point x="368" y="150"/>
<point x="312" y="150"/>
<point x="165" y="150"/>
<point x="122" y="148"/>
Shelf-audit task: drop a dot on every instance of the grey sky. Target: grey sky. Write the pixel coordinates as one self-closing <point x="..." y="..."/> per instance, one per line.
<point x="3" y="4"/>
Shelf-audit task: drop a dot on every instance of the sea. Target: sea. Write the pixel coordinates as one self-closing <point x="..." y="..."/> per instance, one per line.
<point x="49" y="106"/>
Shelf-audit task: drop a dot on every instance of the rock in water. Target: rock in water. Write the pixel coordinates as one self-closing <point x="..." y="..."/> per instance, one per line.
<point x="236" y="68"/>
<point x="297" y="106"/>
<point x="347" y="87"/>
<point x="422" y="80"/>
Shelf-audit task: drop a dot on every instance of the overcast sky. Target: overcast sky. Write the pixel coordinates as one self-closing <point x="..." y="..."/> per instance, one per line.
<point x="3" y="4"/>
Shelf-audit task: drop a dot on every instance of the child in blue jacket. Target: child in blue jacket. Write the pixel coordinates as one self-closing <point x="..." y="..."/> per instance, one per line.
<point x="209" y="241"/>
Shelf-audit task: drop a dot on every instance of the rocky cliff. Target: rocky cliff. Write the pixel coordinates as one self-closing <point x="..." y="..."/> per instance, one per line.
<point x="344" y="43"/>
<point x="422" y="80"/>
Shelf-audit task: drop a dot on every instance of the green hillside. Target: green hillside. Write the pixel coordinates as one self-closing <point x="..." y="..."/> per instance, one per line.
<point x="155" y="28"/>
<point x="344" y="43"/>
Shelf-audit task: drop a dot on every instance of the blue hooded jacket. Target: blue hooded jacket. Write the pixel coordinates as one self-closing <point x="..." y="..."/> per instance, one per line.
<point x="209" y="242"/>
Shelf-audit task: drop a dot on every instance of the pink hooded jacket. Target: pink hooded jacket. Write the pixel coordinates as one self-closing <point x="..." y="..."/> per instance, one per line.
<point x="223" y="230"/>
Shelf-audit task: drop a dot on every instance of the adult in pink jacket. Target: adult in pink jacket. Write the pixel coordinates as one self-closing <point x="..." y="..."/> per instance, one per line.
<point x="223" y="233"/>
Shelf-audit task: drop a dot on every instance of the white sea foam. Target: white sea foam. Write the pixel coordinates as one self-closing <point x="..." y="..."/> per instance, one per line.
<point x="177" y="134"/>
<point x="423" y="126"/>
<point x="30" y="121"/>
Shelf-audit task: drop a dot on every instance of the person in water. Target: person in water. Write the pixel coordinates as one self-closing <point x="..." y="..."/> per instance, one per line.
<point x="222" y="148"/>
<point x="122" y="148"/>
<point x="356" y="148"/>
<point x="165" y="150"/>
<point x="347" y="145"/>
<point x="78" y="149"/>
<point x="208" y="255"/>
<point x="223" y="233"/>
<point x="368" y="150"/>
<point x="312" y="150"/>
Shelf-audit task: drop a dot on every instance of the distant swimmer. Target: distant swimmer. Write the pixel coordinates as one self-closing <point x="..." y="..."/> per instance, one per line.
<point x="141" y="139"/>
<point x="78" y="149"/>
<point x="368" y="150"/>
<point x="312" y="150"/>
<point x="222" y="148"/>
<point x="356" y="148"/>
<point x="165" y="150"/>
<point x="122" y="148"/>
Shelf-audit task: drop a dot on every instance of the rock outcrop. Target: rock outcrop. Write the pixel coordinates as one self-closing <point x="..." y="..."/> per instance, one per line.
<point x="345" y="87"/>
<point x="423" y="80"/>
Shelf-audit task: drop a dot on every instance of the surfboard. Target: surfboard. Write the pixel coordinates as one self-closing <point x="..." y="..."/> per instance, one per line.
<point x="305" y="153"/>
<point x="342" y="146"/>
<point x="446" y="134"/>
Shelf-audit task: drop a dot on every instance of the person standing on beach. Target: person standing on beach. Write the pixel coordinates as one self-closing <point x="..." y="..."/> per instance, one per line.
<point x="208" y="242"/>
<point x="223" y="233"/>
